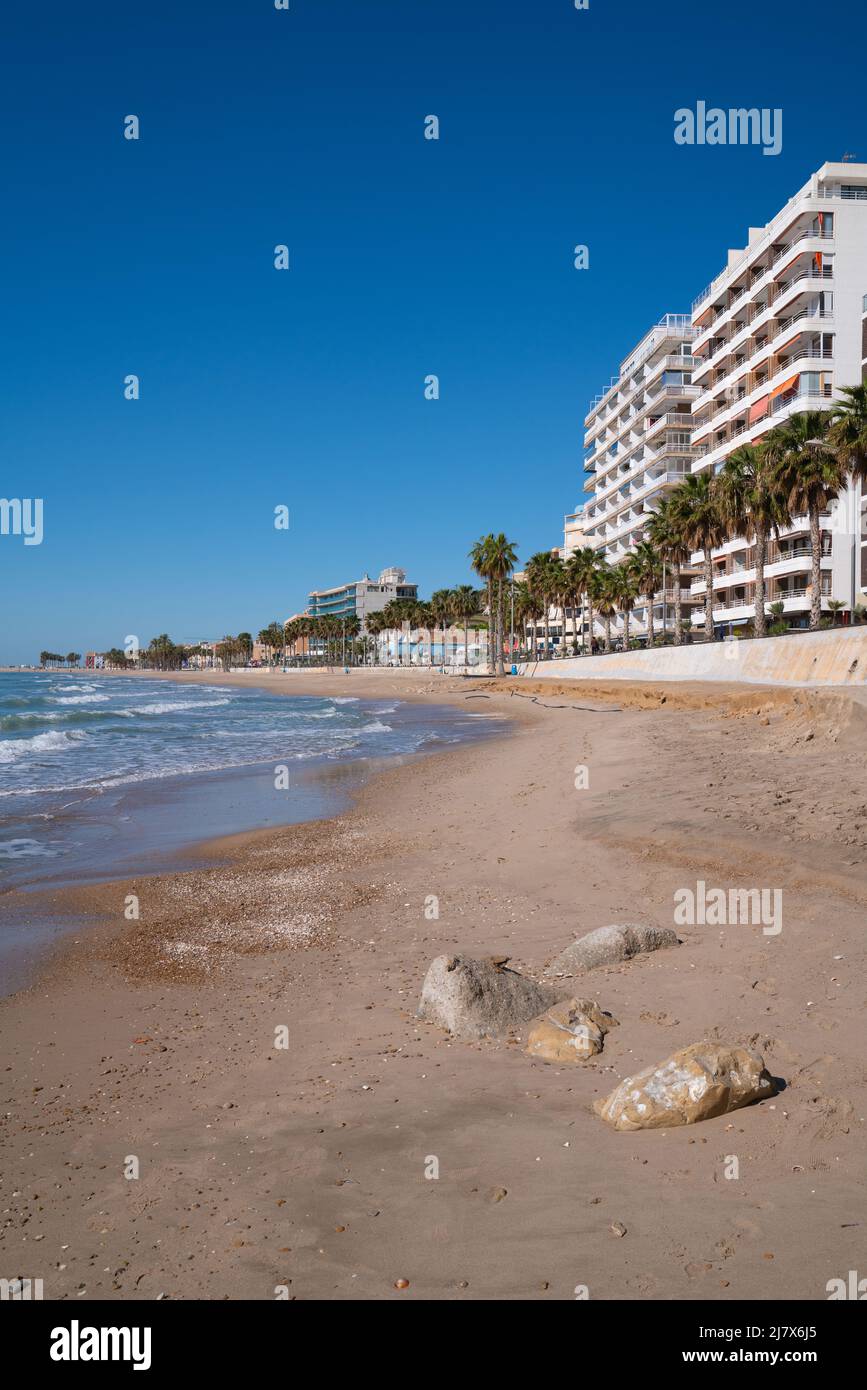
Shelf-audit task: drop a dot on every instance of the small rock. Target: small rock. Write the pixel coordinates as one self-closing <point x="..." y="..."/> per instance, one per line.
<point x="569" y="1032"/>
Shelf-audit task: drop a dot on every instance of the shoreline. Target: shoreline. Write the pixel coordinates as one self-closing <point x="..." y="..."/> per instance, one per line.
<point x="152" y="818"/>
<point x="170" y="1055"/>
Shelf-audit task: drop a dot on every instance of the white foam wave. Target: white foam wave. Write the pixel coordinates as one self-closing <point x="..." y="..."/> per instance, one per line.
<point x="173" y="706"/>
<point x="83" y="700"/>
<point x="14" y="748"/>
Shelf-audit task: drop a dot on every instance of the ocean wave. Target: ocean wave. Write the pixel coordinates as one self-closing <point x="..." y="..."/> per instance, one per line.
<point x="175" y="706"/>
<point x="83" y="700"/>
<point x="344" y="699"/>
<point x="25" y="849"/>
<point x="10" y="722"/>
<point x="377" y="727"/>
<point x="14" y="748"/>
<point x="67" y="685"/>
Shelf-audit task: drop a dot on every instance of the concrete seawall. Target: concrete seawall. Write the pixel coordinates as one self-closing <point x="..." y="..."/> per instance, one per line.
<point x="835" y="657"/>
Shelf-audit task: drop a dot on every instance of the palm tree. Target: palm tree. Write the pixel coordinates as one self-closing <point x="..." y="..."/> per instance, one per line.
<point x="581" y="566"/>
<point x="494" y="558"/>
<point x="752" y="506"/>
<point x="441" y="611"/>
<point x="606" y="606"/>
<point x="624" y="591"/>
<point x="351" y="629"/>
<point x="541" y="580"/>
<point x="809" y="472"/>
<point x="645" y="567"/>
<point x="698" y="518"/>
<point x="848" y="433"/>
<point x="464" y="604"/>
<point x="481" y="559"/>
<point x="666" y="536"/>
<point x="375" y="624"/>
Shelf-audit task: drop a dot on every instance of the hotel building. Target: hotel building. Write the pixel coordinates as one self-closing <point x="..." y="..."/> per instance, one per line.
<point x="780" y="330"/>
<point x="638" y="444"/>
<point x="361" y="596"/>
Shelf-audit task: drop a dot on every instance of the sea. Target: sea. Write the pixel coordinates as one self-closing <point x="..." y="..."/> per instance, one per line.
<point x="103" y="777"/>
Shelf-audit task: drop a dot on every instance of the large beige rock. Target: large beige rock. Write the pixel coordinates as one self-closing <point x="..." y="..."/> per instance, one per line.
<point x="569" y="1032"/>
<point x="697" y="1083"/>
<point x="609" y="946"/>
<point x="472" y="998"/>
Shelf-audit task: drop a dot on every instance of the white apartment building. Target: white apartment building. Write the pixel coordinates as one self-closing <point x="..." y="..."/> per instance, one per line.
<point x="639" y="446"/>
<point x="780" y="330"/>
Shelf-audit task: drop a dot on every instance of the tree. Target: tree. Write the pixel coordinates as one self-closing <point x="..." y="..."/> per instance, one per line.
<point x="698" y="517"/>
<point x="441" y="611"/>
<point x="581" y="567"/>
<point x="503" y="558"/>
<point x="809" y="472"/>
<point x="848" y="432"/>
<point x="624" y="591"/>
<point x="375" y="625"/>
<point x="665" y="533"/>
<point x="605" y="593"/>
<point x="541" y="581"/>
<point x="645" y="566"/>
<point x="464" y="604"/>
<point x="751" y="506"/>
<point x="481" y="561"/>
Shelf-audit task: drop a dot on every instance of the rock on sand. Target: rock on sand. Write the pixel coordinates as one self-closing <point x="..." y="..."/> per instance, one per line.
<point x="697" y="1083"/>
<point x="609" y="946"/>
<point x="569" y="1032"/>
<point x="472" y="998"/>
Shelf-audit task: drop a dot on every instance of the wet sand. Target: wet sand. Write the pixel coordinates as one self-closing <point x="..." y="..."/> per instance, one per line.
<point x="305" y="1165"/>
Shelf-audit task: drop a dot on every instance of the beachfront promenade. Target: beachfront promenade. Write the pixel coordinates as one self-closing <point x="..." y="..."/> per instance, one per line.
<point x="830" y="658"/>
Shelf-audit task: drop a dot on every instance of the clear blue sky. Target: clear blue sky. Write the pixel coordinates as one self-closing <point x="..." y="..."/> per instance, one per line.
<point x="409" y="257"/>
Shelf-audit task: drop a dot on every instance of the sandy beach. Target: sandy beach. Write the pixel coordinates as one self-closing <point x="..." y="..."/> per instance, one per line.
<point x="304" y="1165"/>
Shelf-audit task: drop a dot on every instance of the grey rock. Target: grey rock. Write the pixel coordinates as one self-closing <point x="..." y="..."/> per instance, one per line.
<point x="609" y="946"/>
<point x="473" y="998"/>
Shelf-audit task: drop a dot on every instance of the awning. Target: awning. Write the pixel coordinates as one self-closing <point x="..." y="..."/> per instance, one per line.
<point x="759" y="409"/>
<point x="785" y="386"/>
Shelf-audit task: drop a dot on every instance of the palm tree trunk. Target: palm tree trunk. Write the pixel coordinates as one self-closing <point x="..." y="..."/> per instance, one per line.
<point x="761" y="552"/>
<point x="626" y="629"/>
<point x="501" y="618"/>
<point x="547" y="629"/>
<point x="676" y="581"/>
<point x="608" y="632"/>
<point x="816" y="569"/>
<point x="708" y="597"/>
<point x="650" y="633"/>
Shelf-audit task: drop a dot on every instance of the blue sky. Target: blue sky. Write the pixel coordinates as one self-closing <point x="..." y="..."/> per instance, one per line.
<point x="408" y="257"/>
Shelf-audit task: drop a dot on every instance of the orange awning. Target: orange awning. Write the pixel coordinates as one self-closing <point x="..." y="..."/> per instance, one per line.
<point x="759" y="409"/>
<point x="785" y="386"/>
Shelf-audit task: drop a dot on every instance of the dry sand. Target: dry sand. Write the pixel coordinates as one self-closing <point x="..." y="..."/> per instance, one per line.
<point x="305" y="1166"/>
